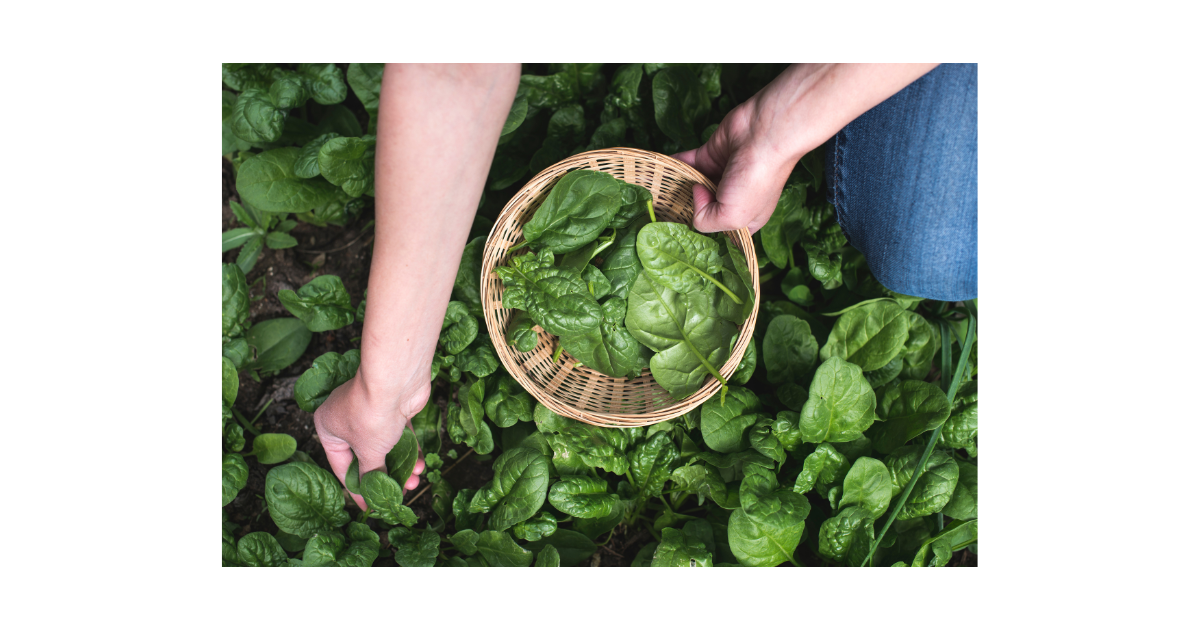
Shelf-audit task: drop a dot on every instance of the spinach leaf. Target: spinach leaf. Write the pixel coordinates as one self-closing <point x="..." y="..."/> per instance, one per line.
<point x="787" y="429"/>
<point x="229" y="388"/>
<point x="366" y="79"/>
<point x="520" y="333"/>
<point x="840" y="404"/>
<point x="691" y="340"/>
<point x="234" y="473"/>
<point x="260" y="549"/>
<point x="847" y="536"/>
<point x="322" y="304"/>
<point x="500" y="550"/>
<point x="933" y="489"/>
<point x="824" y="467"/>
<point x="537" y="527"/>
<point x="577" y="446"/>
<point x="964" y="503"/>
<point x="636" y="202"/>
<point x="459" y="328"/>
<point x="465" y="541"/>
<point x="349" y="163"/>
<point x="766" y="529"/>
<point x="304" y="499"/>
<point x="564" y="135"/>
<point x="427" y="425"/>
<point x="783" y="228"/>
<point x="414" y="548"/>
<point x="237" y="351"/>
<point x="681" y="103"/>
<point x="789" y="350"/>
<point x="256" y="118"/>
<point x="582" y="497"/>
<point x="579" y="207"/>
<point x="920" y="349"/>
<point x="908" y="409"/>
<point x="269" y="182"/>
<point x="869" y="336"/>
<point x="328" y="372"/>
<point x="945" y="543"/>
<point x="478" y="359"/>
<point x="621" y="263"/>
<point x="651" y="464"/>
<point x="962" y="428"/>
<point x="679" y="549"/>
<point x="548" y="557"/>
<point x="230" y="142"/>
<point x="466" y="279"/>
<point x="745" y="368"/>
<point x="556" y="299"/>
<point x="764" y="440"/>
<point x="273" y="448"/>
<point x="403" y="457"/>
<point x="678" y="258"/>
<point x="597" y="283"/>
<point x="508" y="403"/>
<point x="724" y="426"/>
<point x="609" y="348"/>
<point x="572" y="546"/>
<point x="306" y="165"/>
<point x="886" y="374"/>
<point x="867" y="485"/>
<point x="516" y="113"/>
<point x="277" y="343"/>
<point x="324" y="81"/>
<point x="518" y="488"/>
<point x="235" y="302"/>
<point x="385" y="497"/>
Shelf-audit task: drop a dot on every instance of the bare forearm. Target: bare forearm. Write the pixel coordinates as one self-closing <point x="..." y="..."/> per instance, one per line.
<point x="814" y="101"/>
<point x="438" y="127"/>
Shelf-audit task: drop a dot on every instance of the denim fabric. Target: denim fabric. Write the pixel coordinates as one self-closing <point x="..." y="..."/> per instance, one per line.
<point x="903" y="177"/>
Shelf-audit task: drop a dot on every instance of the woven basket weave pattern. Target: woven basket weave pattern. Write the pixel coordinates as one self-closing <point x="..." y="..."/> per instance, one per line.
<point x="581" y="392"/>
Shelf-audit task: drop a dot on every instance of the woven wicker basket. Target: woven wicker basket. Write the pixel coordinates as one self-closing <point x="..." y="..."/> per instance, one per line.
<point x="581" y="392"/>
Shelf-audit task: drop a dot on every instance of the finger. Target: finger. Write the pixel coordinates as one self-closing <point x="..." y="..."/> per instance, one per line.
<point x="687" y="157"/>
<point x="338" y="452"/>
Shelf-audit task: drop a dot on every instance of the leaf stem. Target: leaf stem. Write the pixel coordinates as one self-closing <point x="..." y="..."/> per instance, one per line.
<point x="518" y="246"/>
<point x="260" y="411"/>
<point x="736" y="299"/>
<point x="650" y="207"/>
<point x="951" y="392"/>
<point x="244" y="422"/>
<point x="557" y="354"/>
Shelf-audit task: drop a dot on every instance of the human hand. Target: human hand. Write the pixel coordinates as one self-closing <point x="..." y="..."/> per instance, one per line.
<point x="354" y="422"/>
<point x="758" y="144"/>
<point x="748" y="168"/>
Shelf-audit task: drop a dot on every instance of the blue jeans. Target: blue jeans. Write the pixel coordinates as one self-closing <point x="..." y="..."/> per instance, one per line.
<point x="903" y="178"/>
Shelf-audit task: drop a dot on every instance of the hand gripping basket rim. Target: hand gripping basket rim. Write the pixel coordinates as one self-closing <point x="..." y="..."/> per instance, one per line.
<point x="583" y="393"/>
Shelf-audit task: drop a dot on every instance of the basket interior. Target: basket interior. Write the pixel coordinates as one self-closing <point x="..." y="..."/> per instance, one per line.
<point x="582" y="392"/>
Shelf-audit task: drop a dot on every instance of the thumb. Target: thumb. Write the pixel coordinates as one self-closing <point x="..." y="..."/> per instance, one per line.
<point x="745" y="198"/>
<point x="340" y="457"/>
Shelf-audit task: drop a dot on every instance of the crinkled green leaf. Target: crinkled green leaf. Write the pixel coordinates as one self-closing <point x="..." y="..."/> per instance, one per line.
<point x="847" y="536"/>
<point x="907" y="409"/>
<point x="385" y="497"/>
<point x="678" y="549"/>
<point x="933" y="489"/>
<point x="500" y="550"/>
<point x="304" y="499"/>
<point x="234" y="473"/>
<point x="841" y="404"/>
<point x="322" y="304"/>
<point x="268" y="181"/>
<point x="518" y="488"/>
<point x="328" y="372"/>
<point x="724" y="426"/>
<point x="869" y="336"/>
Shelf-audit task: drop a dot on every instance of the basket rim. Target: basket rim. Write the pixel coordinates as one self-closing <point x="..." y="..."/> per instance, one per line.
<point x="620" y="420"/>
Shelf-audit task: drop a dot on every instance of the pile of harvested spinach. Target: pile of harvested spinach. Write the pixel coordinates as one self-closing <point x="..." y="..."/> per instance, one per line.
<point x="624" y="291"/>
